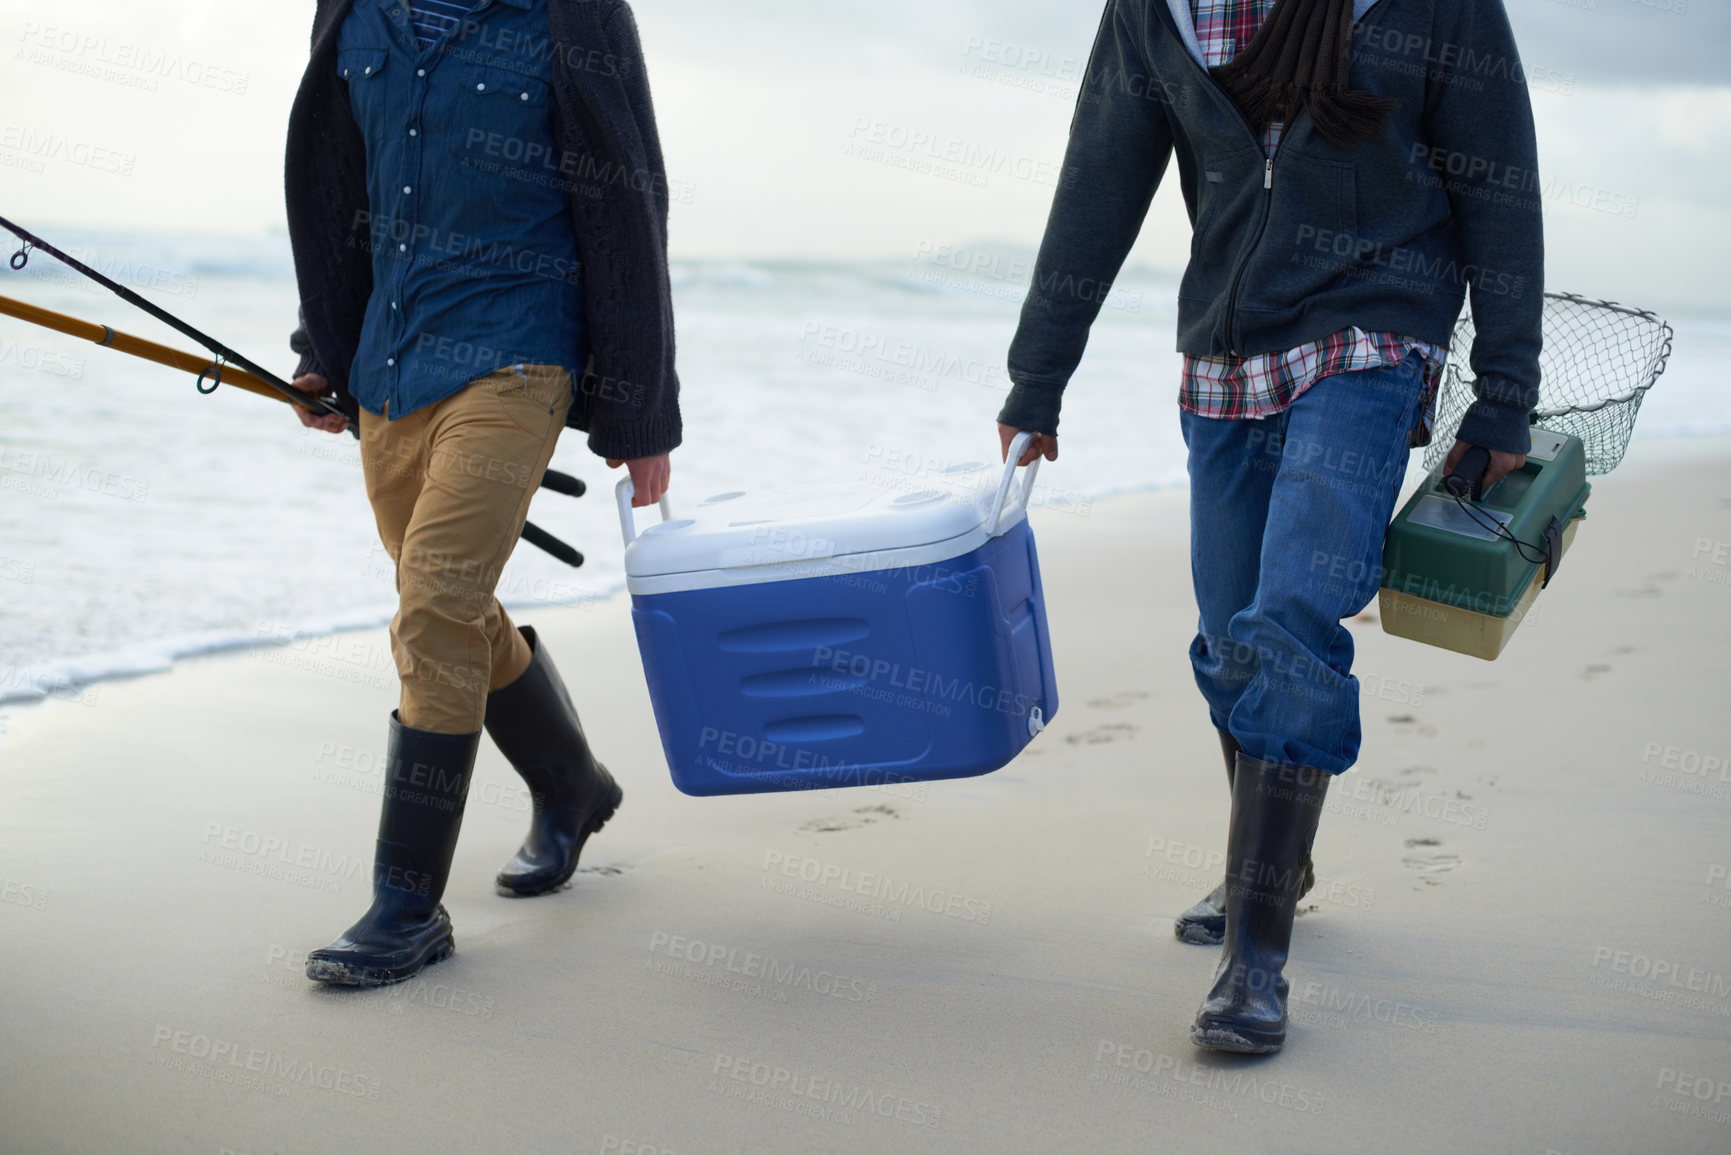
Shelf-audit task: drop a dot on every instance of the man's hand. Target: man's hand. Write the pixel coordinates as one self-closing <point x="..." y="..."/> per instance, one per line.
<point x="650" y="477"/>
<point x="1502" y="464"/>
<point x="318" y="386"/>
<point x="1044" y="445"/>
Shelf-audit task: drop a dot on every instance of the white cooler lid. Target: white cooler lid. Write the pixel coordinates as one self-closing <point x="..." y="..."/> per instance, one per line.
<point x="745" y="537"/>
<point x="810" y="523"/>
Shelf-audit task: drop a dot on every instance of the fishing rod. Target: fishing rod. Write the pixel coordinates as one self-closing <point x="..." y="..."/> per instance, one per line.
<point x="224" y="355"/>
<point x="226" y="367"/>
<point x="112" y="338"/>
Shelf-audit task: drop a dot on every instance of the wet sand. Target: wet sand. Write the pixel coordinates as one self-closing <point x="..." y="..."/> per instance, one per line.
<point x="1521" y="940"/>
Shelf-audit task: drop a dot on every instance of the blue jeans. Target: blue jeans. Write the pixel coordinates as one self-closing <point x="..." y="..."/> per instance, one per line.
<point x="1287" y="519"/>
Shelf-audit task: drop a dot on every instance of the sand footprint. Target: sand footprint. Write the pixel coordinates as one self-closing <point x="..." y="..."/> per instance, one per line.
<point x="1100" y="735"/>
<point x="1120" y="701"/>
<point x="1408" y="724"/>
<point x="863" y="816"/>
<point x="1425" y="856"/>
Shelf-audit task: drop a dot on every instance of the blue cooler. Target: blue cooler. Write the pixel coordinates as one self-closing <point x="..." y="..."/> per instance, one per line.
<point x="843" y="635"/>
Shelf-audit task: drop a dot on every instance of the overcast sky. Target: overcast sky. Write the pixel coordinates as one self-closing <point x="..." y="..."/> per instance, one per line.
<point x="775" y="115"/>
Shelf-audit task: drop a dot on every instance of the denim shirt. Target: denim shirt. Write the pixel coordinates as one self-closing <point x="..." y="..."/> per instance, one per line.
<point x="474" y="253"/>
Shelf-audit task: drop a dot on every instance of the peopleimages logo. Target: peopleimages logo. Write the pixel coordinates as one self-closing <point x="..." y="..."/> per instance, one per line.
<point x="1642" y="966"/>
<point x="1230" y="1083"/>
<point x="876" y="887"/>
<point x="23" y="894"/>
<point x="1686" y="771"/>
<point x="52" y="146"/>
<point x="1662" y="981"/>
<point x="1718" y="879"/>
<point x="280" y="859"/>
<point x="765" y="968"/>
<point x="928" y="685"/>
<point x="107" y="59"/>
<point x="227" y="1061"/>
<point x="828" y="1092"/>
<point x="1346" y="1005"/>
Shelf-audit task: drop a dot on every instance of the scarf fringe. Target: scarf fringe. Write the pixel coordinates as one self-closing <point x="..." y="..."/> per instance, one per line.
<point x="1301" y="57"/>
<point x="1349" y="117"/>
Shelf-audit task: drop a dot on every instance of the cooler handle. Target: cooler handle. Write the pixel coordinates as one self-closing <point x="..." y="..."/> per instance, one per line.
<point x="1018" y="447"/>
<point x="623" y="493"/>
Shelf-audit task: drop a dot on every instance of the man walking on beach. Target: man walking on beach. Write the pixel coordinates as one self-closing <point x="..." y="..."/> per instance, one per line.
<point x="478" y="212"/>
<point x="1352" y="172"/>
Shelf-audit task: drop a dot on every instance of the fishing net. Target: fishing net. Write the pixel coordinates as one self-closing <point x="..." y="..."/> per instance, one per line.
<point x="1598" y="362"/>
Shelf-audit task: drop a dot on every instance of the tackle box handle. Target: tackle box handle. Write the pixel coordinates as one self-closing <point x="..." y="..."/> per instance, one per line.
<point x="623" y="493"/>
<point x="1018" y="447"/>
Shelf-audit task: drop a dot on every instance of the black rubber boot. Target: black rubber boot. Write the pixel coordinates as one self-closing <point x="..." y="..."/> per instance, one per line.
<point x="535" y="726"/>
<point x="1275" y="811"/>
<point x="1205" y="923"/>
<point x="406" y="929"/>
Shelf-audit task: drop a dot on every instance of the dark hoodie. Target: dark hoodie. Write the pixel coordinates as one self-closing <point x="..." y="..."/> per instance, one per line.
<point x="1390" y="234"/>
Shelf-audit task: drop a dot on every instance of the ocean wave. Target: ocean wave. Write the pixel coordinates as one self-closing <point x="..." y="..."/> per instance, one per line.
<point x="143" y="524"/>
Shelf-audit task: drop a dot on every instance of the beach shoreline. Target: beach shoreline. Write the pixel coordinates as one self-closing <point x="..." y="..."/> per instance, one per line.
<point x="70" y="678"/>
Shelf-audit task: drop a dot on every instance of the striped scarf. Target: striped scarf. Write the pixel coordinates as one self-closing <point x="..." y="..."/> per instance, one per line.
<point x="436" y="19"/>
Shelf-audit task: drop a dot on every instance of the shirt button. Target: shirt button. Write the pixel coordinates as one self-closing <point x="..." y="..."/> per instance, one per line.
<point x="525" y="96"/>
<point x="402" y="248"/>
<point x="480" y="88"/>
<point x="414" y="132"/>
<point x="390" y="361"/>
<point x="407" y="190"/>
<point x="420" y="72"/>
<point x="368" y="71"/>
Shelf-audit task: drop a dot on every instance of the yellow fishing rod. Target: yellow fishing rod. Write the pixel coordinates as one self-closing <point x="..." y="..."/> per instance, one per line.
<point x="112" y="338"/>
<point x="223" y="367"/>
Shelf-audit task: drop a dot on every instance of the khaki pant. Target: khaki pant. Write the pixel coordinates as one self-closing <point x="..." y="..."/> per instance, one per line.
<point x="450" y="486"/>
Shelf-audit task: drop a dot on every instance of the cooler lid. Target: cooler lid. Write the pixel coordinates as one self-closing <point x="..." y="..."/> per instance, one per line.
<point x="788" y="526"/>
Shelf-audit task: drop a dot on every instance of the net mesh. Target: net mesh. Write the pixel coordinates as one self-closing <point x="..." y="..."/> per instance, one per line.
<point x="1598" y="362"/>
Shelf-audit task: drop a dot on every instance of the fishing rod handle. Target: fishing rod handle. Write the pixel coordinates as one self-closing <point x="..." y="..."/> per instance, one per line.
<point x="563" y="483"/>
<point x="542" y="540"/>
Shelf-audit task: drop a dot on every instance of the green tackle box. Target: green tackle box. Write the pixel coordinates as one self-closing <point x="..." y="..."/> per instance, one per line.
<point x="1451" y="580"/>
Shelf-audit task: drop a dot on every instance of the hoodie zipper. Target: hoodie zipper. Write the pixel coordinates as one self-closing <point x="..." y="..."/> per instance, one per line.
<point x="1250" y="252"/>
<point x="1267" y="199"/>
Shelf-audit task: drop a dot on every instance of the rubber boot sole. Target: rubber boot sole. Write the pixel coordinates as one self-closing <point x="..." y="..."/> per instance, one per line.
<point x="336" y="973"/>
<point x="1236" y="1040"/>
<point x="1200" y="932"/>
<point x="557" y="882"/>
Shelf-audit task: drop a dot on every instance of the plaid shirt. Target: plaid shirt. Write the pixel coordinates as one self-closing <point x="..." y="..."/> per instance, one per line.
<point x="1260" y="386"/>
